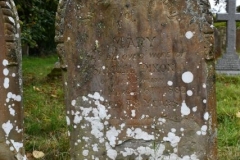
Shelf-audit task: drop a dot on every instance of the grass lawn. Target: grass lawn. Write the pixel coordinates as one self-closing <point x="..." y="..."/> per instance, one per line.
<point x="45" y="126"/>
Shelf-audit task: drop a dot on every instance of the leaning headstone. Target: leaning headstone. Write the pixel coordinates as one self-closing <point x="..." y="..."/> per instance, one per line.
<point x="229" y="63"/>
<point x="139" y="78"/>
<point x="11" y="110"/>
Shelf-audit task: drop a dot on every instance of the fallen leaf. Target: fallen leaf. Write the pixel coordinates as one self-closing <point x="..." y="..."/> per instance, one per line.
<point x="38" y="154"/>
<point x="238" y="114"/>
<point x="54" y="96"/>
<point x="36" y="88"/>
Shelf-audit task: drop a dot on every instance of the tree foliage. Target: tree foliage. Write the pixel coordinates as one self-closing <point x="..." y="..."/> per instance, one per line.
<point x="37" y="19"/>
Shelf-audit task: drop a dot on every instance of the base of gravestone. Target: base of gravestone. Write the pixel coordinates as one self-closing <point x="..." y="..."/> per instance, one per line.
<point x="229" y="64"/>
<point x="228" y="73"/>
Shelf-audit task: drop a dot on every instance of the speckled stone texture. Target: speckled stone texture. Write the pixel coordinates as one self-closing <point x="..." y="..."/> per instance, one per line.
<point x="11" y="109"/>
<point x="138" y="78"/>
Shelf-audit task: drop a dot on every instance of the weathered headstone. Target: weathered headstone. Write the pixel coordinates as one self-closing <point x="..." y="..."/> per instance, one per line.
<point x="11" y="110"/>
<point x="139" y="78"/>
<point x="229" y="63"/>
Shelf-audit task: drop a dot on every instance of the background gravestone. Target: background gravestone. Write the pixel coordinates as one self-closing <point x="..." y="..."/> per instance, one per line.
<point x="229" y="63"/>
<point x="11" y="110"/>
<point x="139" y="78"/>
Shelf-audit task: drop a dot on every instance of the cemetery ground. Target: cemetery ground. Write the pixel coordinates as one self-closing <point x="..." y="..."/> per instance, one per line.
<point x="45" y="126"/>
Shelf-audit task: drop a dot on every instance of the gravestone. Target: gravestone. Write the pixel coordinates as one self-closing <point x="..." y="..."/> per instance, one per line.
<point x="11" y="110"/>
<point x="138" y="78"/>
<point x="229" y="63"/>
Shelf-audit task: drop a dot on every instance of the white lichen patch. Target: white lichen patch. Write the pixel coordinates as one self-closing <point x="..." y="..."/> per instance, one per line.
<point x="204" y="85"/>
<point x="16" y="145"/>
<point x="189" y="34"/>
<point x="6" y="83"/>
<point x="203" y="130"/>
<point x="187" y="77"/>
<point x="189" y="93"/>
<point x="172" y="138"/>
<point x="5" y="72"/>
<point x="7" y="127"/>
<point x="85" y="152"/>
<point x="204" y="101"/>
<point x="133" y="113"/>
<point x="5" y="62"/>
<point x="95" y="118"/>
<point x="8" y="4"/>
<point x="12" y="20"/>
<point x="194" y="109"/>
<point x="138" y="133"/>
<point x="68" y="120"/>
<point x="112" y="135"/>
<point x="15" y="97"/>
<point x="11" y="110"/>
<point x="185" y="110"/>
<point x="170" y="83"/>
<point x="206" y="116"/>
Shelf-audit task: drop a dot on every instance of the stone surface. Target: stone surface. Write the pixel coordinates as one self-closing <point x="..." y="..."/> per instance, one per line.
<point x="139" y="78"/>
<point x="11" y="109"/>
<point x="230" y="61"/>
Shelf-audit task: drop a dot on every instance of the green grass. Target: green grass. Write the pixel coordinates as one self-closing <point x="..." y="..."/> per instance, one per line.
<point x="228" y="104"/>
<point x="45" y="125"/>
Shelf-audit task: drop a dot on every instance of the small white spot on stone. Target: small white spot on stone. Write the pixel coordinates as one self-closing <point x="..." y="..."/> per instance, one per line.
<point x="194" y="109"/>
<point x="85" y="153"/>
<point x="11" y="148"/>
<point x="6" y="83"/>
<point x="199" y="133"/>
<point x="103" y="67"/>
<point x="204" y="128"/>
<point x="189" y="34"/>
<point x="184" y="109"/>
<point x="68" y="39"/>
<point x="187" y="77"/>
<point x="204" y="85"/>
<point x="5" y="71"/>
<point x="170" y="83"/>
<point x="189" y="93"/>
<point x="173" y="130"/>
<point x="17" y="145"/>
<point x="7" y="3"/>
<point x="7" y="127"/>
<point x="18" y="98"/>
<point x="68" y="120"/>
<point x="73" y="103"/>
<point x="13" y="75"/>
<point x="5" y="62"/>
<point x="17" y="35"/>
<point x="205" y="101"/>
<point x="172" y="138"/>
<point x="206" y="116"/>
<point x="12" y="20"/>
<point x="84" y="98"/>
<point x="133" y="113"/>
<point x="12" y="111"/>
<point x="112" y="153"/>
